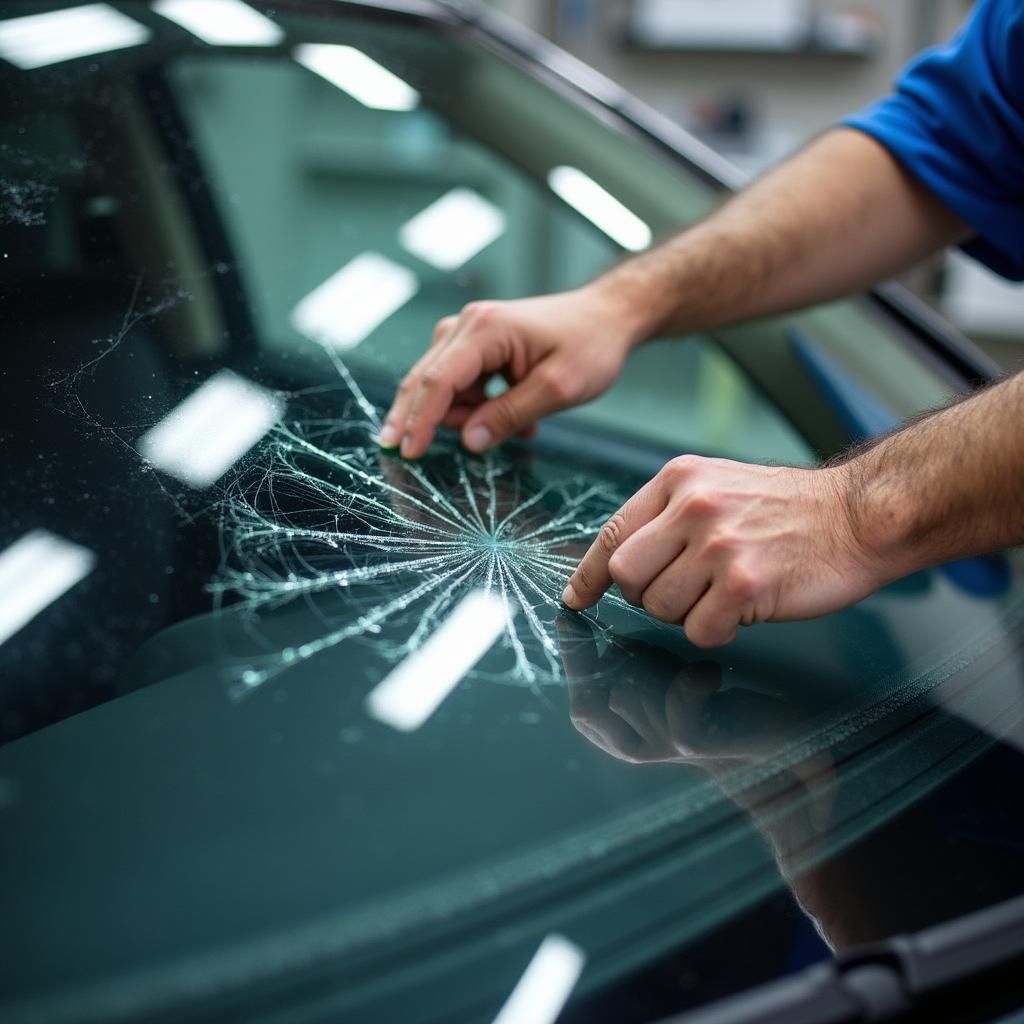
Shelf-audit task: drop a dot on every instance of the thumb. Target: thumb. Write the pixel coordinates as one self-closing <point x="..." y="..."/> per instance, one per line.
<point x="540" y="392"/>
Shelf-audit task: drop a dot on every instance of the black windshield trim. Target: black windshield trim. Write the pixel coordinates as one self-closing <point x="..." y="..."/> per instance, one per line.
<point x="888" y="981"/>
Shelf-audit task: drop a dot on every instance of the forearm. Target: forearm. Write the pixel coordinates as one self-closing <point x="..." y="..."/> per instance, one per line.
<point x="837" y="217"/>
<point x="947" y="486"/>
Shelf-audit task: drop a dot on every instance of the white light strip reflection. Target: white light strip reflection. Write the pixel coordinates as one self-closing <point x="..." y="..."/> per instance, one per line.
<point x="413" y="691"/>
<point x="452" y="230"/>
<point x="205" y="435"/>
<point x="545" y="986"/>
<point x="360" y="76"/>
<point x="221" y="22"/>
<point x="41" y="39"/>
<point x="34" y="572"/>
<point x="356" y="300"/>
<point x="600" y="207"/>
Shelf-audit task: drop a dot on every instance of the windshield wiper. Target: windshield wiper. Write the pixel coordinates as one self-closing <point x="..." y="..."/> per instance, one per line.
<point x="964" y="969"/>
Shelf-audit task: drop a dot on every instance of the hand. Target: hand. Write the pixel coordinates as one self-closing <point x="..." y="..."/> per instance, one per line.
<point x="712" y="544"/>
<point x="643" y="704"/>
<point x="555" y="351"/>
<point x="635" y="701"/>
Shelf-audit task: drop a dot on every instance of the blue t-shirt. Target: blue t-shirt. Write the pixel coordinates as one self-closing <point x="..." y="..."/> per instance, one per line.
<point x="956" y="122"/>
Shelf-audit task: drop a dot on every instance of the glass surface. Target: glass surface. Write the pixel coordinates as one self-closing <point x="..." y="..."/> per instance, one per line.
<point x="208" y="568"/>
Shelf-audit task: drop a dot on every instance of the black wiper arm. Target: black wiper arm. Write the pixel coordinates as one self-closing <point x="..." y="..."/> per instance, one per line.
<point x="885" y="981"/>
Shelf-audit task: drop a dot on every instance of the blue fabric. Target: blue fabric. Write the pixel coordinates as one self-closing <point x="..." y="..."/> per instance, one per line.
<point x="956" y="122"/>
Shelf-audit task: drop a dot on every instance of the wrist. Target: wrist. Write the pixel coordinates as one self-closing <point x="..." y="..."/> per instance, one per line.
<point x="621" y="304"/>
<point x="875" y="522"/>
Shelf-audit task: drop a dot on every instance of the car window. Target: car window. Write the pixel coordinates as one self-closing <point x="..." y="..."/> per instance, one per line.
<point x="289" y="723"/>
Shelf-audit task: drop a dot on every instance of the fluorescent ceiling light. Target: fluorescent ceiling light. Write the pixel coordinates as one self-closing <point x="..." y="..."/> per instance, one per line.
<point x="222" y="22"/>
<point x="414" y="690"/>
<point x="452" y="230"/>
<point x="41" y="39"/>
<point x="600" y="207"/>
<point x="34" y="572"/>
<point x="200" y="439"/>
<point x="356" y="300"/>
<point x="546" y="983"/>
<point x="358" y="75"/>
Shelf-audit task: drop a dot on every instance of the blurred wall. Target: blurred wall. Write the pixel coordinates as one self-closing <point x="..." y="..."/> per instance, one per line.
<point x="790" y="95"/>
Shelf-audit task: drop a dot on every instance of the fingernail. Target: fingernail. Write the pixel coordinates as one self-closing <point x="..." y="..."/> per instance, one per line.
<point x="477" y="438"/>
<point x="389" y="436"/>
<point x="569" y="597"/>
<point x="407" y="447"/>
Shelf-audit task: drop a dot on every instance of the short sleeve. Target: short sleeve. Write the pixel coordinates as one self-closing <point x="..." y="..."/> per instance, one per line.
<point x="956" y="122"/>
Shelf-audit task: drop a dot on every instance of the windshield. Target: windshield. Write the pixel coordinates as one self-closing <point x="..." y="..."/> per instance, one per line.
<point x="301" y="717"/>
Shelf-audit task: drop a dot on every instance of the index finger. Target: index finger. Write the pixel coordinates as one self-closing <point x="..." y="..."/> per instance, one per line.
<point x="394" y="421"/>
<point x="592" y="578"/>
<point x="454" y="369"/>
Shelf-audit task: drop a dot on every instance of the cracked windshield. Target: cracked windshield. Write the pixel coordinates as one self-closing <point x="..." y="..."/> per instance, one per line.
<point x="237" y="634"/>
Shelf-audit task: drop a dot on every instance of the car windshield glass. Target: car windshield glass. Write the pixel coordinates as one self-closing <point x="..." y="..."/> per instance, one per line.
<point x="296" y="714"/>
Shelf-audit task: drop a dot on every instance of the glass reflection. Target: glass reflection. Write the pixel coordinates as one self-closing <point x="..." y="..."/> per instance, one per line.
<point x="360" y="76"/>
<point x="41" y="39"/>
<point x="206" y="434"/>
<point x="221" y="22"/>
<point x="34" y="572"/>
<point x="600" y="207"/>
<point x="352" y="303"/>
<point x="817" y="813"/>
<point x="453" y="229"/>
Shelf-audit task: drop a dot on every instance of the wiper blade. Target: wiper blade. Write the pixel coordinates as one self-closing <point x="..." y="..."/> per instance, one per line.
<point x="886" y="981"/>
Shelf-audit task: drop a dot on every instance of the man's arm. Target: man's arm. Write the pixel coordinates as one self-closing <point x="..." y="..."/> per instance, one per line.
<point x="713" y="545"/>
<point x="836" y="217"/>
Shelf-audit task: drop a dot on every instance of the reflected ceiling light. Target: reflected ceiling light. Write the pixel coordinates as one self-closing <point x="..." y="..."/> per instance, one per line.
<point x="221" y="22"/>
<point x="356" y="300"/>
<point x="452" y="230"/>
<point x="40" y="39"/>
<point x="414" y="690"/>
<point x="200" y="439"/>
<point x="546" y="983"/>
<point x="34" y="572"/>
<point x="600" y="207"/>
<point x="358" y="75"/>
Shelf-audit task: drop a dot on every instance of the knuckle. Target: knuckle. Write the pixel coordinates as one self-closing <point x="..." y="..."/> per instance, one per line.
<point x="700" y="636"/>
<point x="699" y="504"/>
<point x="619" y="569"/>
<point x="741" y="584"/>
<point x="722" y="541"/>
<point x="479" y="314"/>
<point x="408" y="385"/>
<point x="610" y="535"/>
<point x="680" y="468"/>
<point x="431" y="378"/>
<point x="657" y="607"/>
<point x="444" y="325"/>
<point x="560" y="386"/>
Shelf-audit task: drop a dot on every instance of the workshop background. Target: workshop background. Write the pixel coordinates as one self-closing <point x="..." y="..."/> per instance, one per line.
<point x="756" y="79"/>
